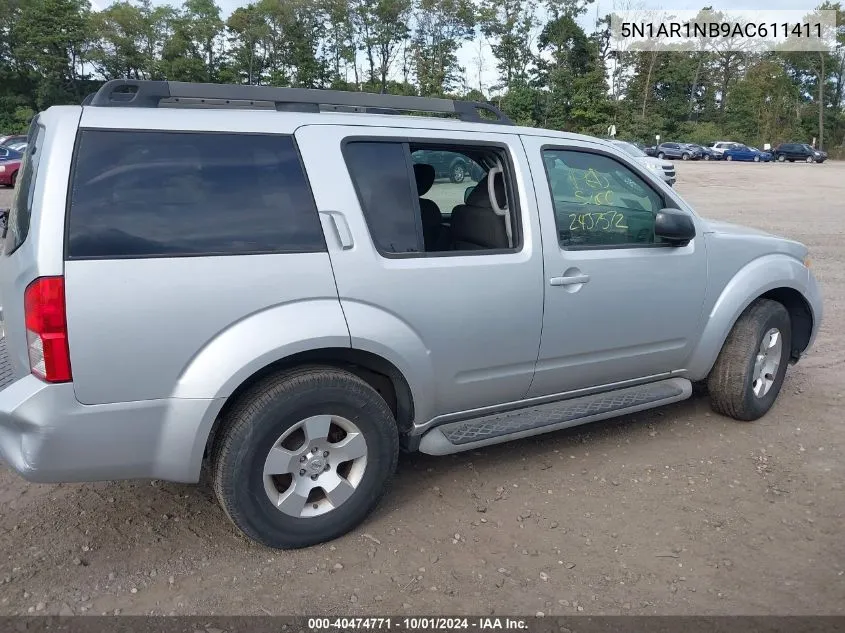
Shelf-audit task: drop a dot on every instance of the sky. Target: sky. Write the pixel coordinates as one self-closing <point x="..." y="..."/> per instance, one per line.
<point x="469" y="53"/>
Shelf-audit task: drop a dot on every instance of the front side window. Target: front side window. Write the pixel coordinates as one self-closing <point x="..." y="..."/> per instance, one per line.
<point x="598" y="201"/>
<point x="170" y="194"/>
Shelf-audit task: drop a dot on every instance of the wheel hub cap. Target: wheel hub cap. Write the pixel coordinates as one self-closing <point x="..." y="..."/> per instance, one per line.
<point x="767" y="362"/>
<point x="315" y="466"/>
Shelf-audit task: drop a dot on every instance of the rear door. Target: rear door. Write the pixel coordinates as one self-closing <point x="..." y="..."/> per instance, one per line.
<point x="462" y="325"/>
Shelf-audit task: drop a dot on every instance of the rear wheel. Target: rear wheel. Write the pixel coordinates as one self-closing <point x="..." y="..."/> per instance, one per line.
<point x="14" y="179"/>
<point x="684" y="156"/>
<point x="781" y="158"/>
<point x="661" y="155"/>
<point x="749" y="372"/>
<point x="303" y="457"/>
<point x="707" y="157"/>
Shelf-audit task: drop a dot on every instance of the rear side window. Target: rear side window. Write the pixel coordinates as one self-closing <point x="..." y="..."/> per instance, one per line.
<point x="170" y="194"/>
<point x="380" y="173"/>
<point x="21" y="209"/>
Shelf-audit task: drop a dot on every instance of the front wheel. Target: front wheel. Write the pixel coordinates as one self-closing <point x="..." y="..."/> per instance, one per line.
<point x="661" y="155"/>
<point x="749" y="372"/>
<point x="810" y="159"/>
<point x="684" y="156"/>
<point x="781" y="158"/>
<point x="756" y="159"/>
<point x="304" y="456"/>
<point x="729" y="157"/>
<point x="458" y="173"/>
<point x="707" y="157"/>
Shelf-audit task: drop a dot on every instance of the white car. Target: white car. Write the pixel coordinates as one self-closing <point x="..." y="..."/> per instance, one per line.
<point x="720" y="146"/>
<point x="659" y="166"/>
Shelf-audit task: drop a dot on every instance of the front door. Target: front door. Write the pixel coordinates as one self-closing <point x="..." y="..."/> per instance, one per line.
<point x="430" y="276"/>
<point x="619" y="305"/>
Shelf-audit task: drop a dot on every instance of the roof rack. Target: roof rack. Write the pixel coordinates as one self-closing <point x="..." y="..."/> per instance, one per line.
<point x="153" y="94"/>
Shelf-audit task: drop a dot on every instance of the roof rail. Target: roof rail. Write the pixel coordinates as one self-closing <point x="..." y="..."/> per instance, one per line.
<point x="150" y="94"/>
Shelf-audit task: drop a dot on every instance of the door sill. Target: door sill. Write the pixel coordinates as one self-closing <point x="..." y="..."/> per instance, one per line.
<point x="466" y="435"/>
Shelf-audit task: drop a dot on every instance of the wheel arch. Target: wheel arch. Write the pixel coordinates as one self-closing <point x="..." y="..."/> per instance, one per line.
<point x="777" y="277"/>
<point x="378" y="372"/>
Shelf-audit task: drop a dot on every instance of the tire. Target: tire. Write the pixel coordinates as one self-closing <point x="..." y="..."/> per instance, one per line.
<point x="756" y="159"/>
<point x="13" y="180"/>
<point x="781" y="158"/>
<point x="707" y="157"/>
<point x="268" y="417"/>
<point x="457" y="173"/>
<point x="684" y="156"/>
<point x="729" y="157"/>
<point x="732" y="381"/>
<point x="661" y="155"/>
<point x="810" y="159"/>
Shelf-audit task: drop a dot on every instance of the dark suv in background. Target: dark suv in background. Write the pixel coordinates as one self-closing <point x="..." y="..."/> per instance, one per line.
<point x="452" y="165"/>
<point x="683" y="151"/>
<point x="798" y="151"/>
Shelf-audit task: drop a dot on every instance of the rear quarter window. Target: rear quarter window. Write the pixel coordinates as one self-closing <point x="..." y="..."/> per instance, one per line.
<point x="20" y="212"/>
<point x="171" y="194"/>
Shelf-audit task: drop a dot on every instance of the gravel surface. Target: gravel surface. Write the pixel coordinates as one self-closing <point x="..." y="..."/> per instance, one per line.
<point x="673" y="511"/>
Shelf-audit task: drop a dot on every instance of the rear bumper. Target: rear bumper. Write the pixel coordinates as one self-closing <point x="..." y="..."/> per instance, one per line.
<point x="48" y="436"/>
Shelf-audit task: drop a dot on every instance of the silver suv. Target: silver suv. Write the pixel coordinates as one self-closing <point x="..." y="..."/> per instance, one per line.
<point x="274" y="282"/>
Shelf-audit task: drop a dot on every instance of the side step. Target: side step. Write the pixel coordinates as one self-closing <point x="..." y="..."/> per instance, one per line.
<point x="503" y="427"/>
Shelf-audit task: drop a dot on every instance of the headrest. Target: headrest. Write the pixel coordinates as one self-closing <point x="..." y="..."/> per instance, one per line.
<point x="479" y="197"/>
<point x="424" y="175"/>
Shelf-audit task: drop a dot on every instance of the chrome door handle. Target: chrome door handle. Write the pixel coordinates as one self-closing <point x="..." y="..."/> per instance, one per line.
<point x="569" y="281"/>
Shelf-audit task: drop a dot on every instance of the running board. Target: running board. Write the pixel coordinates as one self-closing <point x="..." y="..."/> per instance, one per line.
<point x="503" y="427"/>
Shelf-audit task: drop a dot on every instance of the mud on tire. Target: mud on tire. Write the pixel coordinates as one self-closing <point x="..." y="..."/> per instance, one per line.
<point x="745" y="382"/>
<point x="279" y="407"/>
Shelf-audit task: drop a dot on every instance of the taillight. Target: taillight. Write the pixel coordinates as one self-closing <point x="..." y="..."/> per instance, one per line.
<point x="46" y="329"/>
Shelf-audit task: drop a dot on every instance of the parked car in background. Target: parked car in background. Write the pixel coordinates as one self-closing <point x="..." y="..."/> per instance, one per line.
<point x="745" y="153"/>
<point x="7" y="153"/>
<point x="651" y="150"/>
<point x="12" y="138"/>
<point x="798" y="151"/>
<point x="706" y="152"/>
<point x="18" y="147"/>
<point x="662" y="167"/>
<point x="9" y="172"/>
<point x="455" y="166"/>
<point x="720" y="146"/>
<point x="684" y="151"/>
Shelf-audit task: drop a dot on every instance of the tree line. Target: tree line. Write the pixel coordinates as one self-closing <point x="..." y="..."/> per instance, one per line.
<point x="549" y="70"/>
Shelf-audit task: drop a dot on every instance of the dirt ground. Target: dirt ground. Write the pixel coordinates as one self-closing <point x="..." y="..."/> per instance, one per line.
<point x="673" y="511"/>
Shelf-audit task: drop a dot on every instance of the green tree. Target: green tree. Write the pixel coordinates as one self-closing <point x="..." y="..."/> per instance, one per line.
<point x="441" y="27"/>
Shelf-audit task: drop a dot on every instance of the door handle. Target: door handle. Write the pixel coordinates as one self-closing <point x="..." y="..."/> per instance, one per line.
<point x="341" y="229"/>
<point x="569" y="281"/>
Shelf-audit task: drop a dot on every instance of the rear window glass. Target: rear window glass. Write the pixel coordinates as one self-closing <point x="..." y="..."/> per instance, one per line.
<point x="169" y="194"/>
<point x="21" y="210"/>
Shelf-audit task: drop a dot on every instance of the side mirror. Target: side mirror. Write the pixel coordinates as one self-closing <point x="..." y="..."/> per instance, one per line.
<point x="674" y="226"/>
<point x="467" y="193"/>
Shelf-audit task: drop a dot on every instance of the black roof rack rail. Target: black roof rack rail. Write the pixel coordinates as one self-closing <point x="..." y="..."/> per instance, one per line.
<point x="149" y="94"/>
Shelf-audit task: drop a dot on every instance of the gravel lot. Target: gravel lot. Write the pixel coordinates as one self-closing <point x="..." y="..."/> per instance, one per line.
<point x="673" y="511"/>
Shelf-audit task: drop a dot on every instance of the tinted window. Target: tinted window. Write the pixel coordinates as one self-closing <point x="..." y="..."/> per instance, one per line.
<point x="138" y="194"/>
<point x="21" y="209"/>
<point x="454" y="173"/>
<point x="380" y="173"/>
<point x="598" y="201"/>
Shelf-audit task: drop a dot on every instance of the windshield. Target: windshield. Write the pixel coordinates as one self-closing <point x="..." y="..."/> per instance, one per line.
<point x="631" y="149"/>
